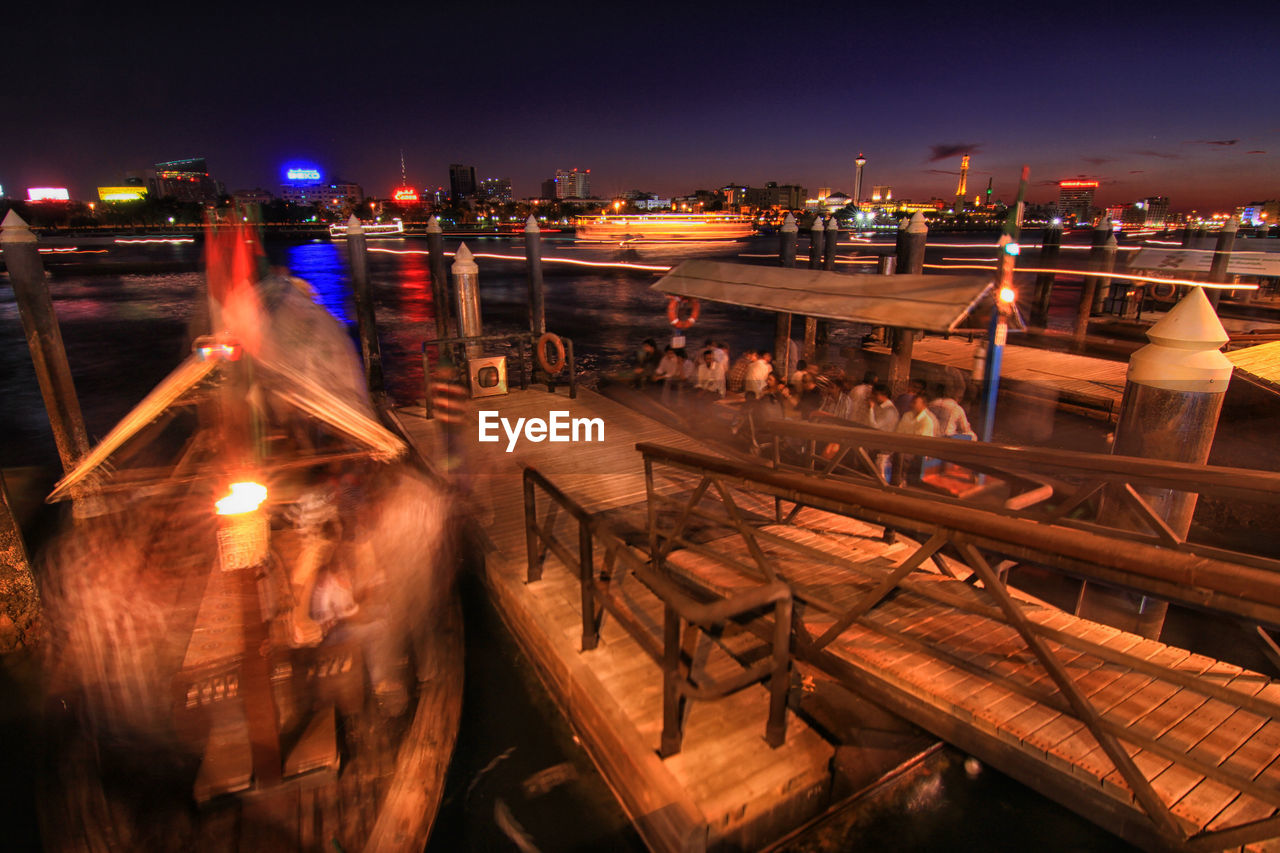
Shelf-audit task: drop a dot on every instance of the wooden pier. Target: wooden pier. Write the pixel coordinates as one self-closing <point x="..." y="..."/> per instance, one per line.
<point x="1161" y="746"/>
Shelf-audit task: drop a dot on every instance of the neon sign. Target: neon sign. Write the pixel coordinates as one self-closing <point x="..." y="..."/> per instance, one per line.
<point x="1075" y="185"/>
<point x="48" y="194"/>
<point x="122" y="193"/>
<point x="303" y="174"/>
<point x="406" y="194"/>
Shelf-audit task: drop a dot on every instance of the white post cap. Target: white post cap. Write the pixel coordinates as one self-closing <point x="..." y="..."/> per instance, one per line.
<point x="817" y="224"/>
<point x="353" y="226"/>
<point x="917" y="225"/>
<point x="433" y="225"/>
<point x="531" y="225"/>
<point x="1184" y="353"/>
<point x="789" y="223"/>
<point x="463" y="263"/>
<point x="831" y="224"/>
<point x="14" y="229"/>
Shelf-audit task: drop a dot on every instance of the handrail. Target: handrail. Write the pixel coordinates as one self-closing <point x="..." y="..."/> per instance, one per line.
<point x="1174" y="574"/>
<point x="672" y="655"/>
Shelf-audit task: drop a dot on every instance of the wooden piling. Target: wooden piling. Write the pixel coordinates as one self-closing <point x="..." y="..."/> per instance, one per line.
<point x="911" y="246"/>
<point x="1050" y="246"/>
<point x="1106" y="264"/>
<point x="788" y="237"/>
<point x="439" y="280"/>
<point x="370" y="352"/>
<point x="815" y="244"/>
<point x="466" y="287"/>
<point x="1101" y="233"/>
<point x="44" y="339"/>
<point x="1221" y="257"/>
<point x="533" y="258"/>
<point x="829" y="244"/>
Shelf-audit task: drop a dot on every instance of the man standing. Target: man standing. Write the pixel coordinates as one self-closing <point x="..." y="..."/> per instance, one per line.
<point x="882" y="414"/>
<point x="757" y="372"/>
<point x="918" y="420"/>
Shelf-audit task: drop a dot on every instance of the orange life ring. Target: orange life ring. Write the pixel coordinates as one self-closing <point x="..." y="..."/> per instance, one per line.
<point x="540" y="352"/>
<point x="673" y="311"/>
<point x="1163" y="291"/>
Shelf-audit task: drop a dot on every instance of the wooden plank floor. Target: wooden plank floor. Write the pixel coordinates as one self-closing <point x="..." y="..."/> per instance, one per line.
<point x="979" y="675"/>
<point x="726" y="788"/>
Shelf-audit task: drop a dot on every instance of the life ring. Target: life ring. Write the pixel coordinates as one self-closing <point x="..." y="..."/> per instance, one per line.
<point x="1163" y="290"/>
<point x="540" y="352"/>
<point x="673" y="311"/>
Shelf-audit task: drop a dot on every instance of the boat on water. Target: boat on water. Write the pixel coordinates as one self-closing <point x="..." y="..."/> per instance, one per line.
<point x="372" y="230"/>
<point x="255" y="641"/>
<point x="663" y="227"/>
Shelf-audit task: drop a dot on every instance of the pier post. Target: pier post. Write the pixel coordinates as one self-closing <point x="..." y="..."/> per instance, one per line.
<point x="439" y="281"/>
<point x="1188" y="234"/>
<point x="44" y="339"/>
<point x="466" y="284"/>
<point x="533" y="256"/>
<point x="1106" y="263"/>
<point x="1050" y="245"/>
<point x="1101" y="233"/>
<point x="829" y="244"/>
<point x="911" y="246"/>
<point x="1173" y="395"/>
<point x="788" y="236"/>
<point x="369" y="349"/>
<point x="1221" y="257"/>
<point x="816" y="242"/>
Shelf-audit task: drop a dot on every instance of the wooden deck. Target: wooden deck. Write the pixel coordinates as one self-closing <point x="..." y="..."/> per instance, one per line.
<point x="726" y="788"/>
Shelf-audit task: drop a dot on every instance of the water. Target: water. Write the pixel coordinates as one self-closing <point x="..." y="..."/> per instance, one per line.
<point x="123" y="333"/>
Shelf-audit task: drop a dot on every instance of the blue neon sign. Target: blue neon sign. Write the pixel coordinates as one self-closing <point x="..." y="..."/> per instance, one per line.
<point x="302" y="174"/>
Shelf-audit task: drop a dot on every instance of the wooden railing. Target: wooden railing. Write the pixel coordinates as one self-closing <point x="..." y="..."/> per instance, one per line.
<point x="686" y="613"/>
<point x="970" y="540"/>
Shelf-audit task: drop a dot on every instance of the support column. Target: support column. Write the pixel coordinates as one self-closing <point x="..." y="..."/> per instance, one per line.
<point x="911" y="246"/>
<point x="466" y="284"/>
<point x="782" y="334"/>
<point x="1173" y="395"/>
<point x="1050" y="245"/>
<point x="44" y="339"/>
<point x="1106" y="263"/>
<point x="533" y="257"/>
<point x="1221" y="257"/>
<point x="1101" y="233"/>
<point x="829" y="244"/>
<point x="439" y="281"/>
<point x="816" y="242"/>
<point x="365" y="320"/>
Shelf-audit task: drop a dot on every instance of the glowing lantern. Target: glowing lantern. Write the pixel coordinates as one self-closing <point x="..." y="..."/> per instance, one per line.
<point x="242" y="527"/>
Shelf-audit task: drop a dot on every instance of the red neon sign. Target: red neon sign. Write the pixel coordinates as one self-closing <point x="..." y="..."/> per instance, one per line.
<point x="406" y="194"/>
<point x="1078" y="185"/>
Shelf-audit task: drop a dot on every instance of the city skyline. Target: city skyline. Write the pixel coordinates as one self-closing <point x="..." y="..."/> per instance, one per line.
<point x="762" y="98"/>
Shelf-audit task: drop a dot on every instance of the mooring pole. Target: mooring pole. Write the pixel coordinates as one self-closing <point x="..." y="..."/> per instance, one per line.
<point x="1221" y="258"/>
<point x="911" y="248"/>
<point x="439" y="282"/>
<point x="829" y="244"/>
<point x="1050" y="246"/>
<point x="466" y="284"/>
<point x="1173" y="396"/>
<point x="369" y="349"/>
<point x="1107" y="264"/>
<point x="1101" y="233"/>
<point x="815" y="263"/>
<point x="788" y="237"/>
<point x="44" y="339"/>
<point x="533" y="256"/>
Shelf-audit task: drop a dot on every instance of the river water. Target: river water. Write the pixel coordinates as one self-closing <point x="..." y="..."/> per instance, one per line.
<point x="123" y="333"/>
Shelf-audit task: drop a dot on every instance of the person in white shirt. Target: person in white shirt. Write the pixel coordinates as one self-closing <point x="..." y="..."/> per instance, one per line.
<point x="757" y="372"/>
<point x="882" y="413"/>
<point x="710" y="377"/>
<point x="860" y="397"/>
<point x="669" y="368"/>
<point x="951" y="416"/>
<point x="797" y="376"/>
<point x="918" y="420"/>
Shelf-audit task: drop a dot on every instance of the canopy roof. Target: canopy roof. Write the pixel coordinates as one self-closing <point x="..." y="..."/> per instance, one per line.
<point x="933" y="303"/>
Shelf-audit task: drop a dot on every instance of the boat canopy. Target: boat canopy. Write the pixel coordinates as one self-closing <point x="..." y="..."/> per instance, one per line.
<point x="931" y="303"/>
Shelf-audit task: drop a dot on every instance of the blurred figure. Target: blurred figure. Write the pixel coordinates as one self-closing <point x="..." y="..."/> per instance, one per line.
<point x="738" y="372"/>
<point x="881" y="413"/>
<point x="918" y="420"/>
<point x="710" y="377"/>
<point x="757" y="371"/>
<point x="952" y="420"/>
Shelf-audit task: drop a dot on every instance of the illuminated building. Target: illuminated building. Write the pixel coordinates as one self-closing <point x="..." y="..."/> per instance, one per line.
<point x="125" y="193"/>
<point x="186" y="180"/>
<point x="1259" y="212"/>
<point x="857" y="178"/>
<point x="495" y="189"/>
<point x="963" y="185"/>
<point x="406" y="195"/>
<point x="306" y="185"/>
<point x="462" y="181"/>
<point x="774" y="195"/>
<point x="1075" y="200"/>
<point x="881" y="194"/>
<point x="574" y="183"/>
<point x="48" y="194"/>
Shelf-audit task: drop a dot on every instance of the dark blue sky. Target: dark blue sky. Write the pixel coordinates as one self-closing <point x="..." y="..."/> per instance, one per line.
<point x="667" y="97"/>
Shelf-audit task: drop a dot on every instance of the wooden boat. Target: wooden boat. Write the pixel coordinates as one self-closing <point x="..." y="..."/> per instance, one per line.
<point x="199" y="698"/>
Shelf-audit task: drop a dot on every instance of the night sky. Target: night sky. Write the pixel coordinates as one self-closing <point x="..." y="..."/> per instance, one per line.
<point x="1179" y="100"/>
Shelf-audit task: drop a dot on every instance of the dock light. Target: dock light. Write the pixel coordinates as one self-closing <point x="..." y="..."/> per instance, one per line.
<point x="1057" y="220"/>
<point x="1008" y="295"/>
<point x="243" y="531"/>
<point x="170" y="220"/>
<point x="1012" y="248"/>
<point x="210" y="349"/>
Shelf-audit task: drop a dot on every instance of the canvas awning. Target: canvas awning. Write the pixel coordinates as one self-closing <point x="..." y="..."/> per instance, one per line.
<point x="932" y="303"/>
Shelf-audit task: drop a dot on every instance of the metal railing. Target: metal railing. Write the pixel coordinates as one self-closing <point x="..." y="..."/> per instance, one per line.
<point x="456" y="348"/>
<point x="685" y="616"/>
<point x="847" y="594"/>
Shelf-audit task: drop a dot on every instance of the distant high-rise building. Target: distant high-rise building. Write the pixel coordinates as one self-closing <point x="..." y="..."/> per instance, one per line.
<point x="574" y="183"/>
<point x="548" y="188"/>
<point x="495" y="189"/>
<point x="1075" y="200"/>
<point x="963" y="186"/>
<point x="462" y="181"/>
<point x="186" y="180"/>
<point x="857" y="178"/>
<point x="774" y="195"/>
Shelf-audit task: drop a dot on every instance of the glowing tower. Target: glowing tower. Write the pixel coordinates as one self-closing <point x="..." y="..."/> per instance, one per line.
<point x="964" y="181"/>
<point x="857" y="179"/>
